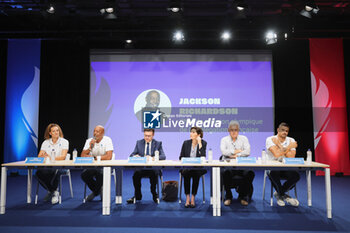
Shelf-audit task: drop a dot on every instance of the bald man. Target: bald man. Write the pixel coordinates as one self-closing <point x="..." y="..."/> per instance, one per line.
<point x="99" y="145"/>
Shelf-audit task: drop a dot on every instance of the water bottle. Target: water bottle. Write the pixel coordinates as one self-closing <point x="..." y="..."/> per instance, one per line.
<point x="263" y="156"/>
<point x="53" y="155"/>
<point x="156" y="156"/>
<point x="210" y="155"/>
<point x="308" y="156"/>
<point x="75" y="154"/>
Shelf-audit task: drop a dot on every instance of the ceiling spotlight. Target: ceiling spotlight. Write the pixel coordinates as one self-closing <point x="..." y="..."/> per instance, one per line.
<point x="178" y="36"/>
<point x="285" y="36"/>
<point x="225" y="36"/>
<point x="310" y="9"/>
<point x="109" y="10"/>
<point x="174" y="9"/>
<point x="175" y="6"/>
<point x="51" y="10"/>
<point x="128" y="41"/>
<point x="240" y="7"/>
<point x="103" y="11"/>
<point x="271" y="37"/>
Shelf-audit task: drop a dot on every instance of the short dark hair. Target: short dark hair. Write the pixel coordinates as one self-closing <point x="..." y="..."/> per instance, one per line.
<point x="148" y="130"/>
<point x="283" y="124"/>
<point x="198" y="130"/>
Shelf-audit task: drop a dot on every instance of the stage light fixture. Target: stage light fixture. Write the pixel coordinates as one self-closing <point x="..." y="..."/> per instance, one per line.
<point x="108" y="13"/>
<point x="174" y="9"/>
<point x="310" y="9"/>
<point x="271" y="37"/>
<point x="128" y="41"/>
<point x="226" y="35"/>
<point x="285" y="36"/>
<point x="51" y="10"/>
<point x="178" y="36"/>
<point x="175" y="6"/>
<point x="109" y="10"/>
<point x="240" y="7"/>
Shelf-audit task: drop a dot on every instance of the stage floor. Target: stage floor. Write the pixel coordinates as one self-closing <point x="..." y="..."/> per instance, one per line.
<point x="146" y="216"/>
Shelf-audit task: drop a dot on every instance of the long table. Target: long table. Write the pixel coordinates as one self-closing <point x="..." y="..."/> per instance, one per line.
<point x="215" y="167"/>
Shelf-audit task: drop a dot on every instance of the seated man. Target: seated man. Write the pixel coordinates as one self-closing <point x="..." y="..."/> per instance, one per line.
<point x="99" y="145"/>
<point x="279" y="147"/>
<point x="233" y="146"/>
<point x="146" y="147"/>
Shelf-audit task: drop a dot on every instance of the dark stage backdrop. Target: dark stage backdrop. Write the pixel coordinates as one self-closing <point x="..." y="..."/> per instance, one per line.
<point x="3" y="62"/>
<point x="346" y="46"/>
<point x="293" y="101"/>
<point x="64" y="89"/>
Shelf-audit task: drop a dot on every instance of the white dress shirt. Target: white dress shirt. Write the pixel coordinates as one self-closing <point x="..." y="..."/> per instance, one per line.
<point x="228" y="146"/>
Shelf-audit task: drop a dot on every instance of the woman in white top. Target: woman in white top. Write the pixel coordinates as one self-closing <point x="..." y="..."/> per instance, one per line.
<point x="55" y="147"/>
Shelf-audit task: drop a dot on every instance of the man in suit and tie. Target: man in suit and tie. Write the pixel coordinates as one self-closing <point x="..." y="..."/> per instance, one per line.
<point x="146" y="147"/>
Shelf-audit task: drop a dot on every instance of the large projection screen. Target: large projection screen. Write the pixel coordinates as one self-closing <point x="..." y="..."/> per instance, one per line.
<point x="208" y="85"/>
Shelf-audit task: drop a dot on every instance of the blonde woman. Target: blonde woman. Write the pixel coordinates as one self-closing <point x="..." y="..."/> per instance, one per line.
<point x="54" y="147"/>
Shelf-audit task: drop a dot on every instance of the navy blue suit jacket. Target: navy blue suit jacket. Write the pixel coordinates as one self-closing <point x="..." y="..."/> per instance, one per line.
<point x="140" y="149"/>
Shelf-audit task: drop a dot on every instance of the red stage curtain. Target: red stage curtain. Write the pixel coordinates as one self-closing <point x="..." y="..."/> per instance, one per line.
<point x="329" y="104"/>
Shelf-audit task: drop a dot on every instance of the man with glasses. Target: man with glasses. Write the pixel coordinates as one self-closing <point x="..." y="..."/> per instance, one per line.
<point x="146" y="147"/>
<point x="233" y="146"/>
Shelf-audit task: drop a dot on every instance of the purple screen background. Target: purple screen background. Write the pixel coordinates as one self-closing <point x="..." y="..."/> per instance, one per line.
<point x="236" y="83"/>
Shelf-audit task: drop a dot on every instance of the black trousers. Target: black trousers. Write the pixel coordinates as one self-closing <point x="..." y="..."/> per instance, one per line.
<point x="242" y="180"/>
<point x="94" y="179"/>
<point x="48" y="178"/>
<point x="291" y="177"/>
<point x="195" y="175"/>
<point x="142" y="173"/>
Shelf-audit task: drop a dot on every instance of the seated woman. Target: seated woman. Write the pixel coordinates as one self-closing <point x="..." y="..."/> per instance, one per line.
<point x="55" y="147"/>
<point x="195" y="147"/>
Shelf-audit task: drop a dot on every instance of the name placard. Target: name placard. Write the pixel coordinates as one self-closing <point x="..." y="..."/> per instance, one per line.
<point x="293" y="161"/>
<point x="80" y="160"/>
<point x="196" y="160"/>
<point x="246" y="160"/>
<point x="35" y="160"/>
<point x="137" y="160"/>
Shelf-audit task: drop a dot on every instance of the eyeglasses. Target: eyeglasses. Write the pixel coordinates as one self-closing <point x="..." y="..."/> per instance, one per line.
<point x="233" y="130"/>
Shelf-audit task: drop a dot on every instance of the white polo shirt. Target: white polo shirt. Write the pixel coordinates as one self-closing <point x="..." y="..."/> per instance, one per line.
<point x="100" y="148"/>
<point x="49" y="147"/>
<point x="270" y="143"/>
<point x="228" y="146"/>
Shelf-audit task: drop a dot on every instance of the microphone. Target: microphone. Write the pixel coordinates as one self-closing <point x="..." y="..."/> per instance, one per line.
<point x="92" y="145"/>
